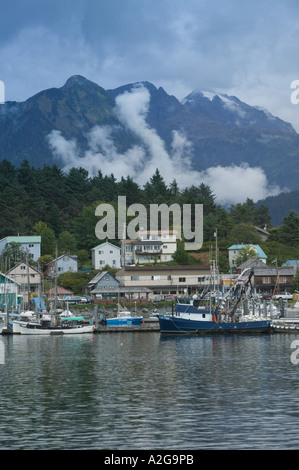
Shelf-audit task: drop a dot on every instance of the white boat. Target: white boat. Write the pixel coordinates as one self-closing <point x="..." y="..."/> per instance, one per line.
<point x="70" y="325"/>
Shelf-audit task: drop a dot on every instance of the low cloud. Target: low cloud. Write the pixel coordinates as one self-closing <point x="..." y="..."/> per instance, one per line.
<point x="231" y="184"/>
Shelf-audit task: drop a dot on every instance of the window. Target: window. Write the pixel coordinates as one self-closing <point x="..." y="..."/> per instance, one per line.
<point x="155" y="278"/>
<point x="134" y="278"/>
<point x="182" y="279"/>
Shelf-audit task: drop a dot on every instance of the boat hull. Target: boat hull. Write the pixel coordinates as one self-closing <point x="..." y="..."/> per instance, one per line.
<point x="173" y="324"/>
<point x="30" y="329"/>
<point x="125" y="321"/>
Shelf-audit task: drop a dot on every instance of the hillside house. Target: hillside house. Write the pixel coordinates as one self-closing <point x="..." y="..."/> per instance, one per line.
<point x="151" y="246"/>
<point x="105" y="254"/>
<point x="234" y="252"/>
<point x="28" y="278"/>
<point x="31" y="245"/>
<point x="65" y="263"/>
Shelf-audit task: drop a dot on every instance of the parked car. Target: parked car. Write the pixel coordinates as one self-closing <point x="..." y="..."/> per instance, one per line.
<point x="283" y="295"/>
<point x="267" y="295"/>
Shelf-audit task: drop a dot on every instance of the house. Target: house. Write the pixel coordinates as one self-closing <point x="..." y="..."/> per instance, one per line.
<point x="105" y="254"/>
<point x="64" y="263"/>
<point x="164" y="280"/>
<point x="234" y="252"/>
<point x="28" y="278"/>
<point x="250" y="263"/>
<point x="106" y="286"/>
<point x="151" y="246"/>
<point x="263" y="233"/>
<point x="9" y="293"/>
<point x="268" y="279"/>
<point x="31" y="245"/>
<point x="103" y="280"/>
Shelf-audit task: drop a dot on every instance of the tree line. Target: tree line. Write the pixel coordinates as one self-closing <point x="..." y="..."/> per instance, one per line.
<point x="61" y="207"/>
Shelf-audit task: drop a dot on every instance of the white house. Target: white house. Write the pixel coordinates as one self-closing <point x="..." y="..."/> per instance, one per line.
<point x="105" y="254"/>
<point x="30" y="245"/>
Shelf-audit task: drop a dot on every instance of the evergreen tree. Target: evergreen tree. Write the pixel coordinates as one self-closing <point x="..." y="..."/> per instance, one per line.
<point x="289" y="231"/>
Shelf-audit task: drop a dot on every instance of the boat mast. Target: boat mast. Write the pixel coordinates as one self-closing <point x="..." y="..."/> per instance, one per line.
<point x="55" y="293"/>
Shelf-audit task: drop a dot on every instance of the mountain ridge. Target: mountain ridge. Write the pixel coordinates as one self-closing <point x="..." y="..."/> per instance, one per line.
<point x="226" y="134"/>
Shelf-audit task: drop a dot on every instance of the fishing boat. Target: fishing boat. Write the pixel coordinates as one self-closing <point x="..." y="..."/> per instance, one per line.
<point x="124" y="318"/>
<point x="67" y="326"/>
<point x="190" y="316"/>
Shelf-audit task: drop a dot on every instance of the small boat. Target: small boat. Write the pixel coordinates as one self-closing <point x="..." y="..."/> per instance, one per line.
<point x="189" y="316"/>
<point x="68" y="325"/>
<point x="124" y="318"/>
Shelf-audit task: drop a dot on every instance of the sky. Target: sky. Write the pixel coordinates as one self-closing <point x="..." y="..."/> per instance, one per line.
<point x="246" y="49"/>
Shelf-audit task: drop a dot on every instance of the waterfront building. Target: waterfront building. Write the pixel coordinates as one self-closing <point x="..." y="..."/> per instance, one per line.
<point x="165" y="281"/>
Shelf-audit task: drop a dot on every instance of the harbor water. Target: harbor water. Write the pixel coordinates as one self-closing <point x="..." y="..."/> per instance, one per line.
<point x="148" y="391"/>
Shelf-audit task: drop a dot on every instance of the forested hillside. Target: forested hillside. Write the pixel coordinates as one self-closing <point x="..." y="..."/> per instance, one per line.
<point x="61" y="207"/>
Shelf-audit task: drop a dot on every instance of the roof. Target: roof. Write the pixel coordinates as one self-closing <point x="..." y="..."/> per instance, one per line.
<point x="29" y="239"/>
<point x="99" y="276"/>
<point x="280" y="270"/>
<point x="60" y="291"/>
<point x="4" y="278"/>
<point x="103" y="244"/>
<point x="291" y="262"/>
<point x="260" y="253"/>
<point x="252" y="262"/>
<point x="27" y="264"/>
<point x="74" y="257"/>
<point x="164" y="267"/>
<point x="121" y="290"/>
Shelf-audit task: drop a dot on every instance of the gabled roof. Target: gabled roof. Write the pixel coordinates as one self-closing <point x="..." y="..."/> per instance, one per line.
<point x="260" y="253"/>
<point x="104" y="244"/>
<point x="4" y="278"/>
<point x="27" y="264"/>
<point x="29" y="239"/>
<point x="99" y="276"/>
<point x="74" y="257"/>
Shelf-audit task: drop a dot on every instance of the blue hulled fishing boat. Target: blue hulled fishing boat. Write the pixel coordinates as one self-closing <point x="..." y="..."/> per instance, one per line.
<point x="190" y="316"/>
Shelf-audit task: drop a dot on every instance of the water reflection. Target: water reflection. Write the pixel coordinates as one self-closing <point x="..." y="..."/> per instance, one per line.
<point x="147" y="391"/>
